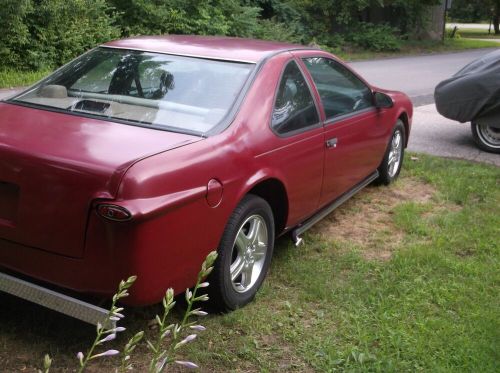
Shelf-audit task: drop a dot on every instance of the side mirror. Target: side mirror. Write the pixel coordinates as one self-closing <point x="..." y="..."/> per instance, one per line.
<point x="382" y="101"/>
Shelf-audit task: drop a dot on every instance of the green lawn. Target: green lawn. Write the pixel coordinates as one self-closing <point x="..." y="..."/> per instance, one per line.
<point x="475" y="33"/>
<point x="14" y="78"/>
<point x="420" y="47"/>
<point x="400" y="279"/>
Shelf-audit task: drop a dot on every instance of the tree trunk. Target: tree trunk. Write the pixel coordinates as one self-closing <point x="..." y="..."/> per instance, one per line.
<point x="496" y="17"/>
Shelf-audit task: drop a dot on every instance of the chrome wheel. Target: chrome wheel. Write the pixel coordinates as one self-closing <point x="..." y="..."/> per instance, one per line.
<point x="395" y="153"/>
<point x="486" y="137"/>
<point x="393" y="158"/>
<point x="249" y="253"/>
<point x="489" y="135"/>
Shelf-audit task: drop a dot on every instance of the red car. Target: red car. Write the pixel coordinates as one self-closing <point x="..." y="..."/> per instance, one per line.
<point x="144" y="154"/>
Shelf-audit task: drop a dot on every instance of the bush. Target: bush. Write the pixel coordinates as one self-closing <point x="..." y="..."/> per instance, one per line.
<point x="63" y="29"/>
<point x="204" y="17"/>
<point x="40" y="34"/>
<point x="52" y="32"/>
<point x="272" y="30"/>
<point x="14" y="32"/>
<point x="378" y="38"/>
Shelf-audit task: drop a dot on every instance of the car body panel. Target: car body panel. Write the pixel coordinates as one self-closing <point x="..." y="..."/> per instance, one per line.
<point x="163" y="178"/>
<point x="60" y="164"/>
<point x="360" y="140"/>
<point x="214" y="47"/>
<point x="360" y="144"/>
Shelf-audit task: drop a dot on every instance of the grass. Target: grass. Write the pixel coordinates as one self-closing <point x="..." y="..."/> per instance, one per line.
<point x="410" y="48"/>
<point x="15" y="78"/>
<point x="475" y="33"/>
<point x="337" y="303"/>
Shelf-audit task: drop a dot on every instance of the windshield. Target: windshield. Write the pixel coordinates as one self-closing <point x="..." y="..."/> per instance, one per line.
<point x="159" y="90"/>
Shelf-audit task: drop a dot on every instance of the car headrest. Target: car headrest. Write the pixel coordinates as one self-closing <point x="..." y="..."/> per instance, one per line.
<point x="290" y="89"/>
<point x="53" y="91"/>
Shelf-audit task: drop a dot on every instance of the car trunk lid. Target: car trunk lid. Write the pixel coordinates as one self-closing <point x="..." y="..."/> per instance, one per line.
<point x="53" y="165"/>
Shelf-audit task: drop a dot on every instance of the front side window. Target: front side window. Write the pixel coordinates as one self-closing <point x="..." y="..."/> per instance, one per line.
<point x="294" y="108"/>
<point x="163" y="91"/>
<point x="340" y="90"/>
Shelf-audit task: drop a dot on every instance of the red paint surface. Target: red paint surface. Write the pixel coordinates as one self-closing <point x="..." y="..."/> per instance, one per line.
<point x="63" y="164"/>
<point x="214" y="192"/>
<point x="218" y="47"/>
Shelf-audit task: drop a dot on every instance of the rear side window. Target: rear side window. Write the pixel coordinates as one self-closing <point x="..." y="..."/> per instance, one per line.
<point x="294" y="108"/>
<point x="340" y="90"/>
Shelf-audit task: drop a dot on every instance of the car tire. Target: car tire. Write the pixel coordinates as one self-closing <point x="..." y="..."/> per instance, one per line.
<point x="486" y="138"/>
<point x="390" y="167"/>
<point x="245" y="253"/>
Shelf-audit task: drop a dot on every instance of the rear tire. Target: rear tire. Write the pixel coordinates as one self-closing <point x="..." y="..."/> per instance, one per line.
<point x="390" y="167"/>
<point x="245" y="253"/>
<point x="486" y="138"/>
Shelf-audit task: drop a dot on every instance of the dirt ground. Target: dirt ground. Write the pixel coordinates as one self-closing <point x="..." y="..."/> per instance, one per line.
<point x="366" y="221"/>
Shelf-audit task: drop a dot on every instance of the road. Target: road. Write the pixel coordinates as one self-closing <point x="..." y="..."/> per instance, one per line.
<point x="5" y="93"/>
<point x="417" y="76"/>
<point x="479" y="26"/>
<point x="436" y="135"/>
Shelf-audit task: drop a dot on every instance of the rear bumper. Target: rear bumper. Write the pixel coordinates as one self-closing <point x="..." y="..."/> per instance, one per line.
<point x="161" y="250"/>
<point x="53" y="300"/>
<point x="92" y="275"/>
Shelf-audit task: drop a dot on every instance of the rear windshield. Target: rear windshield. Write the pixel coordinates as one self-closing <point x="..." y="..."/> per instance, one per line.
<point x="163" y="91"/>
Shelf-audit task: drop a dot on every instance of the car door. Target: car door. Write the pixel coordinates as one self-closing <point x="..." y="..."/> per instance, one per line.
<point x="298" y="141"/>
<point x="354" y="134"/>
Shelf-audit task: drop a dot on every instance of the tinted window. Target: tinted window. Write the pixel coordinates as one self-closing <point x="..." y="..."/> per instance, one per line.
<point x="164" y="91"/>
<point x="294" y="108"/>
<point x="340" y="90"/>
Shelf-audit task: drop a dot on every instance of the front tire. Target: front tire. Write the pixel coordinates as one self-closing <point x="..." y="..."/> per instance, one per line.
<point x="486" y="138"/>
<point x="390" y="167"/>
<point x="245" y="253"/>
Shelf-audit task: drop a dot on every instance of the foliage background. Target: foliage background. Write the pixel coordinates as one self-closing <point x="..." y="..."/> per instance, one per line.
<point x="41" y="34"/>
<point x="473" y="11"/>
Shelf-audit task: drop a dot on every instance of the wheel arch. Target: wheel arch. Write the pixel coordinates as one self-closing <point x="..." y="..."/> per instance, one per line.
<point x="273" y="191"/>
<point x="403" y="116"/>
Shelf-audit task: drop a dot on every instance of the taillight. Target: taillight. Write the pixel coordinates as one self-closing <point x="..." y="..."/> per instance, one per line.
<point x="113" y="212"/>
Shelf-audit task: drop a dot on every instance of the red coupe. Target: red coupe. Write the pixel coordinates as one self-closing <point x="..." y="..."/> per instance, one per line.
<point x="144" y="154"/>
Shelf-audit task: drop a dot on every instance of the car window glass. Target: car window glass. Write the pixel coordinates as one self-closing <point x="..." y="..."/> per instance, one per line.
<point x="340" y="90"/>
<point x="178" y="93"/>
<point x="294" y="108"/>
<point x="99" y="78"/>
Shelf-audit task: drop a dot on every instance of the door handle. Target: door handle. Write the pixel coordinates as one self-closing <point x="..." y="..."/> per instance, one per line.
<point x="331" y="143"/>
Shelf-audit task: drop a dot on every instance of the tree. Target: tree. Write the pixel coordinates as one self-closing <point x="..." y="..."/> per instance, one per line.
<point x="47" y="33"/>
<point x="495" y="10"/>
<point x="14" y="32"/>
<point x="202" y="17"/>
<point x="476" y="11"/>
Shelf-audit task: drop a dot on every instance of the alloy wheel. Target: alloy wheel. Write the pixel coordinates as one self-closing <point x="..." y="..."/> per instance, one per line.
<point x="249" y="253"/>
<point x="395" y="153"/>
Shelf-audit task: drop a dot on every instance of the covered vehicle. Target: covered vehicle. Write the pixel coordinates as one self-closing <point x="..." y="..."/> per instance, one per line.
<point x="145" y="154"/>
<point x="473" y="95"/>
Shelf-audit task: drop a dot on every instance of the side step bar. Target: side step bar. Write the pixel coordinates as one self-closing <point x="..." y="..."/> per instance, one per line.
<point x="328" y="209"/>
<point x="55" y="301"/>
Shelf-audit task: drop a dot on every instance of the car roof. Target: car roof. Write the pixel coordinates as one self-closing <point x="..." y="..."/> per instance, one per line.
<point x="213" y="47"/>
